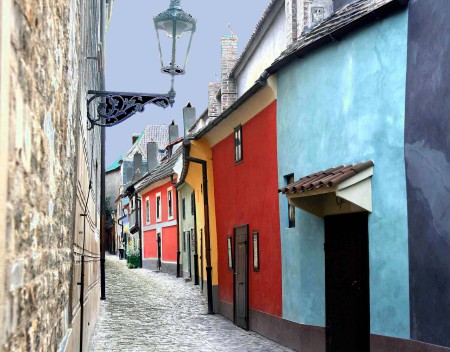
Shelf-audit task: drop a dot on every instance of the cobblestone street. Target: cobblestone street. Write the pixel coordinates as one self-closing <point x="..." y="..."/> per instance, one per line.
<point x="148" y="311"/>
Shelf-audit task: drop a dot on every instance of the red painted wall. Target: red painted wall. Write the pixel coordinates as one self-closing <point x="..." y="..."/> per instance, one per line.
<point x="169" y="244"/>
<point x="150" y="245"/>
<point x="169" y="233"/>
<point x="246" y="193"/>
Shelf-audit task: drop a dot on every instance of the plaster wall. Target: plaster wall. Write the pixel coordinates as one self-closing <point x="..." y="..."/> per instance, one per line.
<point x="167" y="226"/>
<point x="112" y="185"/>
<point x="268" y="49"/>
<point x="427" y="154"/>
<point x="201" y="149"/>
<point x="186" y="224"/>
<point x="246" y="194"/>
<point x="345" y="103"/>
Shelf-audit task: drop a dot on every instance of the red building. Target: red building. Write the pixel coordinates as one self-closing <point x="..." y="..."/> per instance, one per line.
<point x="159" y="216"/>
<point x="248" y="226"/>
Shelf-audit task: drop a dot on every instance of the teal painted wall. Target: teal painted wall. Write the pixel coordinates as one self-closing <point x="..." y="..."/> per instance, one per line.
<point x="342" y="104"/>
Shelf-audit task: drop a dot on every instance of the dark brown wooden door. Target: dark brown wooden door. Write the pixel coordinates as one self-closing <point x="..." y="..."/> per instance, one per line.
<point x="158" y="241"/>
<point x="241" y="276"/>
<point x="347" y="283"/>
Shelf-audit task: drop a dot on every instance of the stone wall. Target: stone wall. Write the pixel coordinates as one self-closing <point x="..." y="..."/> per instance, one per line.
<point x="48" y="157"/>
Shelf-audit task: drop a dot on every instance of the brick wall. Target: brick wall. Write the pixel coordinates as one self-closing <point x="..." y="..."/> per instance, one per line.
<point x="48" y="159"/>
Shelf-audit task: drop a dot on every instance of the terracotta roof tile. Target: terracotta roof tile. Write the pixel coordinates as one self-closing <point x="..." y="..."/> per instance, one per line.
<point x="326" y="178"/>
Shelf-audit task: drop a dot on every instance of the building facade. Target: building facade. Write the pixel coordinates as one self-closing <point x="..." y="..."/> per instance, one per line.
<point x="49" y="159"/>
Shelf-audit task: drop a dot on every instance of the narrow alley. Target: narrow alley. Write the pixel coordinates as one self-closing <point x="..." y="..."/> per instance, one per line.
<point x="151" y="311"/>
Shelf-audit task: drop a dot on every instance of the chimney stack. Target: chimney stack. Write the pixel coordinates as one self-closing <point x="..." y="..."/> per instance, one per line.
<point x="188" y="118"/>
<point x="228" y="60"/>
<point x="305" y="14"/>
<point x="214" y="108"/>
<point x="152" y="156"/>
<point x="173" y="132"/>
<point x="137" y="162"/>
<point x="134" y="138"/>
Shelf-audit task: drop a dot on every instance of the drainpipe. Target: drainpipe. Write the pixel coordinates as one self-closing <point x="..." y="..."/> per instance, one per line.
<point x="139" y="221"/>
<point x="186" y="145"/>
<point x="178" y="233"/>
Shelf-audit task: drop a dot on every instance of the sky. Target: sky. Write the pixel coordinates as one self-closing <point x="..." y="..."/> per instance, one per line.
<point x="132" y="58"/>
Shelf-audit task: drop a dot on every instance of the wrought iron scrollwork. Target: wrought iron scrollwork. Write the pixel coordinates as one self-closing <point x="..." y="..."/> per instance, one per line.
<point x="114" y="107"/>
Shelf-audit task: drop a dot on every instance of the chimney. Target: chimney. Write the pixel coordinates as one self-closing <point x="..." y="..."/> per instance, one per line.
<point x="173" y="132"/>
<point x="228" y="60"/>
<point x="134" y="138"/>
<point x="305" y="14"/>
<point x="137" y="162"/>
<point x="214" y="108"/>
<point x="152" y="156"/>
<point x="188" y="118"/>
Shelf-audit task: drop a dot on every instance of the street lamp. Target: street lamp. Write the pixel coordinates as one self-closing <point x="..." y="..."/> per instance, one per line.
<point x="113" y="108"/>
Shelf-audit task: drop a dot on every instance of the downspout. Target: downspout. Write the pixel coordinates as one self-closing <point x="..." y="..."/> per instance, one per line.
<point x="139" y="221"/>
<point x="186" y="145"/>
<point x="178" y="232"/>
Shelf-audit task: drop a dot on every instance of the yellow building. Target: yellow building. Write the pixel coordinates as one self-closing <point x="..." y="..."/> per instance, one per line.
<point x="198" y="173"/>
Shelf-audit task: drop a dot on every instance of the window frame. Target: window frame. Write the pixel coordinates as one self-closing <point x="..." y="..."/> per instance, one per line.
<point x="238" y="146"/>
<point x="256" y="254"/>
<point x="147" y="210"/>
<point x="230" y="252"/>
<point x="291" y="222"/>
<point x="158" y="207"/>
<point x="170" y="203"/>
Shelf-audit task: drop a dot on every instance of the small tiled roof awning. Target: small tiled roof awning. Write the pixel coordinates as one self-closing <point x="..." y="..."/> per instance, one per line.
<point x="326" y="178"/>
<point x="319" y="192"/>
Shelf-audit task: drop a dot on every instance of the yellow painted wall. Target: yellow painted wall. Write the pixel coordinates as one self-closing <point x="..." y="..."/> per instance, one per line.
<point x="200" y="149"/>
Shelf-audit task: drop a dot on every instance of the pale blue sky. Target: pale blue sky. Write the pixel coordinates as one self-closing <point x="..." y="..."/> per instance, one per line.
<point x="132" y="58"/>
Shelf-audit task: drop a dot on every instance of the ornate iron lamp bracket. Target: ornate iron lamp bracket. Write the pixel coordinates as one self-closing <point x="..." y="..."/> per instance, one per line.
<point x="115" y="107"/>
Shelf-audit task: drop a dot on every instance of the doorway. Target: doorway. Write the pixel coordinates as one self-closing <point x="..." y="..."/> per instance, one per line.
<point x="241" y="276"/>
<point x="158" y="242"/>
<point x="347" y="283"/>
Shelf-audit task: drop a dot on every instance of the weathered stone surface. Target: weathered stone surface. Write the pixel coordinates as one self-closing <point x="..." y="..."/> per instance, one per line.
<point x="150" y="311"/>
<point x="43" y="53"/>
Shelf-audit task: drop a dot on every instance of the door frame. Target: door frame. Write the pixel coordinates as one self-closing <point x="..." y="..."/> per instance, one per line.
<point x="365" y="280"/>
<point x="246" y="276"/>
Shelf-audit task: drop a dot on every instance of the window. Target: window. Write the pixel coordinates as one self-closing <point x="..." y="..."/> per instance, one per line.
<point x="158" y="206"/>
<point x="291" y="209"/>
<point x="147" y="210"/>
<point x="255" y="251"/>
<point x="230" y="253"/>
<point x="183" y="208"/>
<point x="184" y="241"/>
<point x="238" y="144"/>
<point x="192" y="203"/>
<point x="170" y="203"/>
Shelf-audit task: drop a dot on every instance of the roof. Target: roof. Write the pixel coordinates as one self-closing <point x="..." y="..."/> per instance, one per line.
<point x="341" y="22"/>
<point x="164" y="170"/>
<point x="326" y="178"/>
<point x="115" y="164"/>
<point x="151" y="133"/>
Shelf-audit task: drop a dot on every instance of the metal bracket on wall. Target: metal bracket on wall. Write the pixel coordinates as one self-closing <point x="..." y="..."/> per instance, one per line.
<point x="113" y="108"/>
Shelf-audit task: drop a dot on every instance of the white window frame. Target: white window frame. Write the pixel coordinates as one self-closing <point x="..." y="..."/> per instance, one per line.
<point x="147" y="211"/>
<point x="169" y="206"/>
<point x="158" y="207"/>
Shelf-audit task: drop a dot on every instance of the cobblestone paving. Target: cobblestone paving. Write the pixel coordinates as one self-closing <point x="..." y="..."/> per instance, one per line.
<point x="148" y="311"/>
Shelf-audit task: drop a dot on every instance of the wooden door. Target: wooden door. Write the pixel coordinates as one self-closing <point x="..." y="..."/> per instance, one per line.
<point x="158" y="240"/>
<point x="347" y="283"/>
<point x="188" y="251"/>
<point x="241" y="276"/>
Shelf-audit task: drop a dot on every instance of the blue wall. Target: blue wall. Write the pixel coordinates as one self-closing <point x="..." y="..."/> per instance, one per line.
<point x="345" y="103"/>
